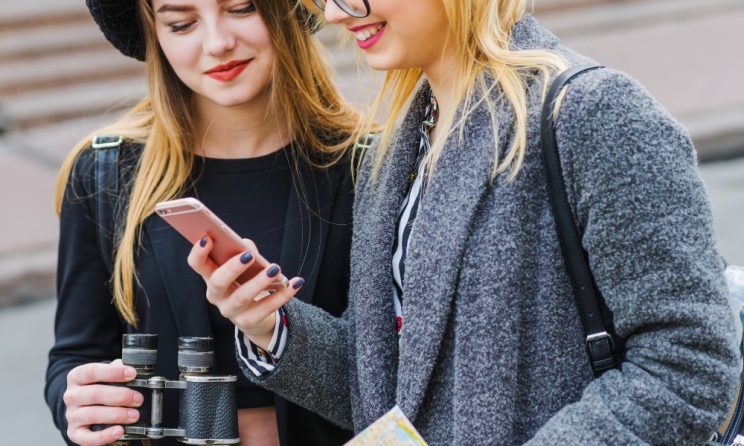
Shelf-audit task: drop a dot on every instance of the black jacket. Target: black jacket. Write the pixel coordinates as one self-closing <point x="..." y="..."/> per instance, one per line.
<point x="316" y="243"/>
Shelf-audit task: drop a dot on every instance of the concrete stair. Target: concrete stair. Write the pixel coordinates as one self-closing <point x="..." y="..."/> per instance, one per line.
<point x="57" y="69"/>
<point x="57" y="66"/>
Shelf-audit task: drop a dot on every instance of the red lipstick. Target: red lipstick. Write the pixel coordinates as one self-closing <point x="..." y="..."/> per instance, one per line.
<point x="228" y="71"/>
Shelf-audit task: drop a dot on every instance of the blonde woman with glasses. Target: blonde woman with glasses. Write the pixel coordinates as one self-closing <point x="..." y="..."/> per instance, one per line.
<point x="461" y="310"/>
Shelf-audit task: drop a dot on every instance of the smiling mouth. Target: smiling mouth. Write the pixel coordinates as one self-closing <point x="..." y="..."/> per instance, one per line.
<point x="369" y="32"/>
<point x="227" y="67"/>
<point x="229" y="71"/>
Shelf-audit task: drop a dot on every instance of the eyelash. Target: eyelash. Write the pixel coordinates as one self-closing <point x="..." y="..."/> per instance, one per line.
<point x="247" y="9"/>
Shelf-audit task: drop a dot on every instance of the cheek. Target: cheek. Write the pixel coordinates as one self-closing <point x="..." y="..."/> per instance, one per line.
<point x="179" y="53"/>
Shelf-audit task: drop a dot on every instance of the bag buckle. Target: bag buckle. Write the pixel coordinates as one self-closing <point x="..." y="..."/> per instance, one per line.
<point x="601" y="347"/>
<point x="106" y="142"/>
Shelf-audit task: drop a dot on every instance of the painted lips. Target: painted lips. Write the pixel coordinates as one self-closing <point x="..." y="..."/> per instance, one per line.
<point x="368" y="35"/>
<point x="228" y="71"/>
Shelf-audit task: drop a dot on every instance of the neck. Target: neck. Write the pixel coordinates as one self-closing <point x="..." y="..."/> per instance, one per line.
<point x="243" y="131"/>
<point x="443" y="81"/>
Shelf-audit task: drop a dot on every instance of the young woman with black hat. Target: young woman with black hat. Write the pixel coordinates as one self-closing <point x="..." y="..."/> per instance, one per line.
<point x="461" y="310"/>
<point x="241" y="113"/>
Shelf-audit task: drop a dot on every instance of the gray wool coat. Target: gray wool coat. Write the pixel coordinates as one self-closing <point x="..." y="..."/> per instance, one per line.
<point x="492" y="349"/>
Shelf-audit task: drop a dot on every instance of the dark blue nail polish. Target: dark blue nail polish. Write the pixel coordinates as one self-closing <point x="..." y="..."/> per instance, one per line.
<point x="203" y="241"/>
<point x="246" y="257"/>
<point x="298" y="283"/>
<point x="273" y="271"/>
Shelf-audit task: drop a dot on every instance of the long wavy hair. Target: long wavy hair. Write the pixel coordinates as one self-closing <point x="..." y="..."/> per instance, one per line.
<point x="301" y="91"/>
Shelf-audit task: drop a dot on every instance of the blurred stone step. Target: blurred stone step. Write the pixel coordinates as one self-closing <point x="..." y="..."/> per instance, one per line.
<point x="64" y="69"/>
<point x="34" y="13"/>
<point x="47" y="106"/>
<point x="33" y="42"/>
<point x="610" y="16"/>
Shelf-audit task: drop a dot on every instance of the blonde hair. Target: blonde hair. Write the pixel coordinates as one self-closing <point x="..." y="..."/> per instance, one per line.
<point x="318" y="119"/>
<point x="479" y="37"/>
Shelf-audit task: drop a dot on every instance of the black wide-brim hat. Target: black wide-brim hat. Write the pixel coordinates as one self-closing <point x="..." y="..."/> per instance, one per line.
<point x="120" y="24"/>
<point x="119" y="21"/>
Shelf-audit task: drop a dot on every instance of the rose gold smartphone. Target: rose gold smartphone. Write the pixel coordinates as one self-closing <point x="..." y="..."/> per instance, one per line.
<point x="192" y="219"/>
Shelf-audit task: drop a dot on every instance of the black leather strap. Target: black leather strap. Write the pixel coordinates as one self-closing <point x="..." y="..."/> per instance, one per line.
<point x="106" y="193"/>
<point x="599" y="341"/>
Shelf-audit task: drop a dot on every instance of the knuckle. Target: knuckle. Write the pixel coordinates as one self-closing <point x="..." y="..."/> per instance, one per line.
<point x="215" y="288"/>
<point x="191" y="260"/>
<point x="69" y="397"/>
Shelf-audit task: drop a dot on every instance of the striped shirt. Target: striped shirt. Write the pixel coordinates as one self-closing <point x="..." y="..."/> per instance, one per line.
<point x="262" y="362"/>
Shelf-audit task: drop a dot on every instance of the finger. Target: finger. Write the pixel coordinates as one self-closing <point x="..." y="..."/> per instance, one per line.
<point x="84" y="436"/>
<point x="252" y="290"/>
<point x="103" y="395"/>
<point x="260" y="311"/>
<point x="99" y="372"/>
<point x="222" y="280"/>
<point x="88" y="415"/>
<point x="199" y="259"/>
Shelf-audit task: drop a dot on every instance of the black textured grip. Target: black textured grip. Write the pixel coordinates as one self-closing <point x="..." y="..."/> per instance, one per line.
<point x="138" y="356"/>
<point x="192" y="359"/>
<point x="208" y="411"/>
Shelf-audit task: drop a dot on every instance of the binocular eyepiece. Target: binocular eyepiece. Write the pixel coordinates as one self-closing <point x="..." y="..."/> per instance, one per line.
<point x="207" y="404"/>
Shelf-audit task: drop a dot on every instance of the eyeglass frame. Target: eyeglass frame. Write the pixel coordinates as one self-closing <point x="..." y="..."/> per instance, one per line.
<point x="345" y="7"/>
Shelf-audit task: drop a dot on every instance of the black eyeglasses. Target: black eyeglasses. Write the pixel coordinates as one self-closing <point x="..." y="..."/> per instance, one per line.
<point x="353" y="11"/>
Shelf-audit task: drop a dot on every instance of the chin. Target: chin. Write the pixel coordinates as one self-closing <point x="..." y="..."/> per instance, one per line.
<point x="383" y="62"/>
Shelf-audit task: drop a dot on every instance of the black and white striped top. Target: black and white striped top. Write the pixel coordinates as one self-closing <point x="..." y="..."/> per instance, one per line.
<point x="409" y="210"/>
<point x="262" y="362"/>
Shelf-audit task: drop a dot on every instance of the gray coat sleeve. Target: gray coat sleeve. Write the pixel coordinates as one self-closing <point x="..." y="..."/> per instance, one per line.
<point x="313" y="370"/>
<point x="647" y="228"/>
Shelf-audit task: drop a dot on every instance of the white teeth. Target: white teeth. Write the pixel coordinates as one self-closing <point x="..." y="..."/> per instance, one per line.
<point x="367" y="33"/>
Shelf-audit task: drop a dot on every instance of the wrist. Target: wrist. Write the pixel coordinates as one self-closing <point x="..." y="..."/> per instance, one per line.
<point x="261" y="340"/>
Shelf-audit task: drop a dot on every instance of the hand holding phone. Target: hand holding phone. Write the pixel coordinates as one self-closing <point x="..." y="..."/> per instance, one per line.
<point x="192" y="219"/>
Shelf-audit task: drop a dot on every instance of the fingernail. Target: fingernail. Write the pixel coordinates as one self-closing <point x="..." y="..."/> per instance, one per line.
<point x="246" y="257"/>
<point x="298" y="283"/>
<point x="117" y="431"/>
<point x="273" y="271"/>
<point x="130" y="373"/>
<point x="203" y="241"/>
<point x="132" y="414"/>
<point x="138" y="399"/>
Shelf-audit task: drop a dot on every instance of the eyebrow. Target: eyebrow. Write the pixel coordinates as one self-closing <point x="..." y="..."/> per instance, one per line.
<point x="178" y="8"/>
<point x="174" y="8"/>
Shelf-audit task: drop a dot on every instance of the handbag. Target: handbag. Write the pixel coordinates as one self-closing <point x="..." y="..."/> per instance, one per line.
<point x="603" y="346"/>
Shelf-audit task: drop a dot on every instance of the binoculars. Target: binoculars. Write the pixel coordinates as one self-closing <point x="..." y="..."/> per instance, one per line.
<point x="207" y="404"/>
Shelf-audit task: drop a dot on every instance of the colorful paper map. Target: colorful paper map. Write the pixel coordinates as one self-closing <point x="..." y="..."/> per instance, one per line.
<point x="392" y="429"/>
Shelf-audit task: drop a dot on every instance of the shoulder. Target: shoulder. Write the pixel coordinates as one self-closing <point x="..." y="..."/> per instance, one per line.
<point x="84" y="168"/>
<point x="608" y="117"/>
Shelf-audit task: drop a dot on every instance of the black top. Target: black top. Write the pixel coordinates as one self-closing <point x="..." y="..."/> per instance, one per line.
<point x="250" y="195"/>
<point x="312" y="241"/>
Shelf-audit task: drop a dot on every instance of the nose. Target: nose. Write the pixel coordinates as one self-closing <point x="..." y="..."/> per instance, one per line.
<point x="218" y="39"/>
<point x="334" y="14"/>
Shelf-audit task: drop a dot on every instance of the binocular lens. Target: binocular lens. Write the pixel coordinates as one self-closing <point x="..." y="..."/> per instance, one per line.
<point x="195" y="354"/>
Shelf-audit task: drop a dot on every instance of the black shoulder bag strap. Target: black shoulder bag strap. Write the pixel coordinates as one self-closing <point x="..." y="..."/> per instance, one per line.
<point x="106" y="171"/>
<point x="599" y="342"/>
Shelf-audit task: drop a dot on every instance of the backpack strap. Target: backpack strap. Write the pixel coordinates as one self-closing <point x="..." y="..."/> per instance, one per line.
<point x="599" y="341"/>
<point x="106" y="175"/>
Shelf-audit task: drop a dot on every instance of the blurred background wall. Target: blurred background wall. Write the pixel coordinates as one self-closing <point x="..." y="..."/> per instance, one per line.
<point x="60" y="80"/>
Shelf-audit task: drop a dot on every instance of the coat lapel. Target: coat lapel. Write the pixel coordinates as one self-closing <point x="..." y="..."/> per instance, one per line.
<point x="309" y="208"/>
<point x="171" y="250"/>
<point x="436" y="246"/>
<point x="447" y="210"/>
<point x="371" y="314"/>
